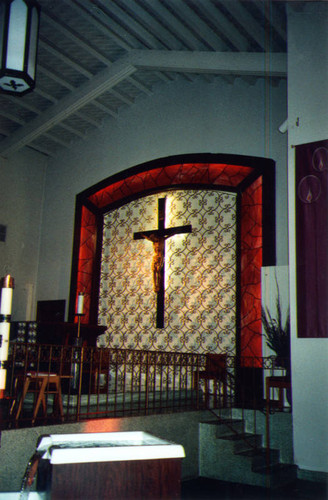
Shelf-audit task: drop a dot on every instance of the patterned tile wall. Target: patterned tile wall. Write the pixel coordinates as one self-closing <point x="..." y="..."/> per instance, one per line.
<point x="200" y="275"/>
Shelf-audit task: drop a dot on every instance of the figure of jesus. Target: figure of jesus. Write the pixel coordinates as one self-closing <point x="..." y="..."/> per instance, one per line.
<point x="158" y="259"/>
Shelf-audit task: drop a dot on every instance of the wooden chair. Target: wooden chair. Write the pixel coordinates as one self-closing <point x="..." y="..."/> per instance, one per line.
<point x="216" y="371"/>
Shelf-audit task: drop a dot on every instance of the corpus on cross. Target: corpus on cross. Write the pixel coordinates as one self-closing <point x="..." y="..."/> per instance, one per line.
<point x="158" y="237"/>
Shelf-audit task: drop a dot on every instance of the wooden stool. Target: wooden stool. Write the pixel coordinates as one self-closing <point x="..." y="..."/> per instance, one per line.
<point x="279" y="383"/>
<point x="41" y="384"/>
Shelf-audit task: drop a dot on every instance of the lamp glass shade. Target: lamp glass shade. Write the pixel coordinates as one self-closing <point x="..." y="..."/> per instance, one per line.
<point x="19" y="29"/>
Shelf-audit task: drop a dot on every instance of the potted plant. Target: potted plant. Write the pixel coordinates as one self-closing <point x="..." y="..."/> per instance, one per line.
<point x="277" y="334"/>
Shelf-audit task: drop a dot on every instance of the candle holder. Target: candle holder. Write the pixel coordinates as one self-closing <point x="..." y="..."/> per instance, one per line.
<point x="76" y="368"/>
<point x="79" y="316"/>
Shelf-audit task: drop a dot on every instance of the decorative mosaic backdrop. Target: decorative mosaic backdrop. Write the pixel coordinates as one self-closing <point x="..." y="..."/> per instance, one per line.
<point x="200" y="275"/>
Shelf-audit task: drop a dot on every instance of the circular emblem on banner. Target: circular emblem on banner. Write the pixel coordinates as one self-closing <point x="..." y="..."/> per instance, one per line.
<point x="320" y="159"/>
<point x="309" y="189"/>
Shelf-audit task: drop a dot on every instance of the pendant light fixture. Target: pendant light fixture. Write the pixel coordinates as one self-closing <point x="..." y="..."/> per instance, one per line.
<point x="19" y="28"/>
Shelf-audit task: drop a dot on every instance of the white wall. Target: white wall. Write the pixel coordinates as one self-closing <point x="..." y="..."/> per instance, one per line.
<point x="179" y="118"/>
<point x="21" y="200"/>
<point x="307" y="105"/>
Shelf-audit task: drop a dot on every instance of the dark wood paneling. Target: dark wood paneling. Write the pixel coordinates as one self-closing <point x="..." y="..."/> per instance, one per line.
<point x="128" y="480"/>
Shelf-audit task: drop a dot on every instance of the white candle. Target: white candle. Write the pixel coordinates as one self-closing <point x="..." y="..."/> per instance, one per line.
<point x="3" y="374"/>
<point x="6" y="300"/>
<point x="4" y="333"/>
<point x="5" y="310"/>
<point x="80" y="301"/>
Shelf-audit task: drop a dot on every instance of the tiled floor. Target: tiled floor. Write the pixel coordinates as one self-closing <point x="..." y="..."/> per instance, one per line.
<point x="210" y="489"/>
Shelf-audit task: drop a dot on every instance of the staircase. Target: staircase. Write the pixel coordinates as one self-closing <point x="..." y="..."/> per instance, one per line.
<point x="229" y="453"/>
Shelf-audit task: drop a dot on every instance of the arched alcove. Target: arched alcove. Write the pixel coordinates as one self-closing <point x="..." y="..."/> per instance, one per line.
<point x="252" y="180"/>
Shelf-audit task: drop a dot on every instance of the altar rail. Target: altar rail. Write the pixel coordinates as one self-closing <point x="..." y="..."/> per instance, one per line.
<point x="105" y="382"/>
<point x="98" y="383"/>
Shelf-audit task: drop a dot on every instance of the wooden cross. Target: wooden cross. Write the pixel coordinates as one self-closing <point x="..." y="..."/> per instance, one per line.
<point x="158" y="237"/>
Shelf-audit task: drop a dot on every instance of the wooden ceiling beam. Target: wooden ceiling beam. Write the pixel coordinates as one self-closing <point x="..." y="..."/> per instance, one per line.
<point x="68" y="105"/>
<point x="237" y="63"/>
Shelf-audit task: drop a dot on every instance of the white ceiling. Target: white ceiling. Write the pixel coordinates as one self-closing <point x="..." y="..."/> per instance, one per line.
<point x="97" y="56"/>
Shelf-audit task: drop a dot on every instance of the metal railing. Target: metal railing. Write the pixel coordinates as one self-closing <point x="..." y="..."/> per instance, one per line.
<point x="98" y="383"/>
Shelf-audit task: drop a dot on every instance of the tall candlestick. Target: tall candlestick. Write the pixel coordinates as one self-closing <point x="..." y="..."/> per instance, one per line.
<point x="5" y="313"/>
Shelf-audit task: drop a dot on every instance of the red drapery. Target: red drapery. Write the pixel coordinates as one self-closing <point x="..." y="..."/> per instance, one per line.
<point x="312" y="239"/>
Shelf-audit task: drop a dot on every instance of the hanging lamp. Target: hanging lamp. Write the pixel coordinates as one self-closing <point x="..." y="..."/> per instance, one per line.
<point x="19" y="28"/>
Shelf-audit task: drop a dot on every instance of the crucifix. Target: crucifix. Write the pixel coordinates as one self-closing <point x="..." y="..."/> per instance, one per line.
<point x="158" y="237"/>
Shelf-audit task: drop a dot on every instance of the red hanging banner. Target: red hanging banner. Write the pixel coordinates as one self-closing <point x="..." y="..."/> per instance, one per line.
<point x="312" y="239"/>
